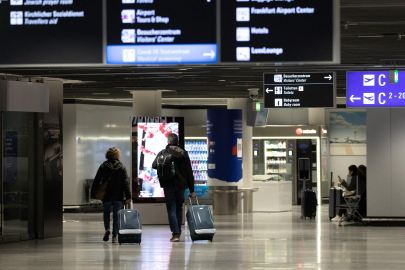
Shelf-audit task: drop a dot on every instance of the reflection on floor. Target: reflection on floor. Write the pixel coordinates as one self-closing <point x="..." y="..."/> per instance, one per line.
<point x="251" y="241"/>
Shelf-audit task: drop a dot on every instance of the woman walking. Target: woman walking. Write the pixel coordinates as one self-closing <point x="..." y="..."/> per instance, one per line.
<point x="112" y="178"/>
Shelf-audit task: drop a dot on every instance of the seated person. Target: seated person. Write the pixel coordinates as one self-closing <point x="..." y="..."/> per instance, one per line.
<point x="349" y="187"/>
<point x="353" y="182"/>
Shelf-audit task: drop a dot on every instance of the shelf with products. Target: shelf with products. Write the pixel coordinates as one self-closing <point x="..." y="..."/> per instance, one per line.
<point x="276" y="153"/>
<point x="276" y="144"/>
<point x="198" y="152"/>
<point x="284" y="155"/>
<point x="279" y="160"/>
<point x="271" y="169"/>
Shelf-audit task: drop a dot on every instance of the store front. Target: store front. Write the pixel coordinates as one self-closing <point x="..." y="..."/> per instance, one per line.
<point x="285" y="159"/>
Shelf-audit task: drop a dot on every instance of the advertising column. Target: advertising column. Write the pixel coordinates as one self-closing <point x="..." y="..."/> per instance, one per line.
<point x="224" y="132"/>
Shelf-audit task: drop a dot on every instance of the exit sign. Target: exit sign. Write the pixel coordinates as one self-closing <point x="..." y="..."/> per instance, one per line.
<point x="393" y="76"/>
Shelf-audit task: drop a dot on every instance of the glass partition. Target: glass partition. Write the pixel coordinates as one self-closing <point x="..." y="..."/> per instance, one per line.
<point x="18" y="181"/>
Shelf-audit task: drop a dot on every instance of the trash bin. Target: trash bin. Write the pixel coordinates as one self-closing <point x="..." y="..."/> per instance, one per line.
<point x="225" y="200"/>
<point x="245" y="200"/>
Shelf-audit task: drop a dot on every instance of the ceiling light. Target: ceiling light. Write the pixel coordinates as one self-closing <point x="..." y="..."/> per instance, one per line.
<point x="182" y="69"/>
<point x="371" y="36"/>
<point x="222" y="80"/>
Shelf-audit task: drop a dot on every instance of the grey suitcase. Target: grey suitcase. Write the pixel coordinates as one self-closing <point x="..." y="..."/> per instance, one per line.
<point x="129" y="226"/>
<point x="200" y="222"/>
<point x="332" y="203"/>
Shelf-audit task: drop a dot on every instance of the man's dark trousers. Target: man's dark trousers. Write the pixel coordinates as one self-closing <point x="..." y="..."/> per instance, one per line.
<point x="174" y="203"/>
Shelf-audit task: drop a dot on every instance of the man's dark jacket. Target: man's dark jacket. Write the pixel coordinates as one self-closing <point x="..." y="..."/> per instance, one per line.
<point x="118" y="184"/>
<point x="184" y="173"/>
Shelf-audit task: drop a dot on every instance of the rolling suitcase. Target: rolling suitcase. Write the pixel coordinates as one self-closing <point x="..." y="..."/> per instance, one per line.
<point x="129" y="226"/>
<point x="332" y="203"/>
<point x="200" y="222"/>
<point x="308" y="204"/>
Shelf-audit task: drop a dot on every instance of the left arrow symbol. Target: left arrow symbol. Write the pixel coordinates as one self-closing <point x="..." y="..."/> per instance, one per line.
<point x="352" y="98"/>
<point x="269" y="90"/>
<point x="211" y="53"/>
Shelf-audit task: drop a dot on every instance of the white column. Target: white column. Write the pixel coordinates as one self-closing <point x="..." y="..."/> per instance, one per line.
<point x="147" y="103"/>
<point x="247" y="141"/>
<point x="316" y="116"/>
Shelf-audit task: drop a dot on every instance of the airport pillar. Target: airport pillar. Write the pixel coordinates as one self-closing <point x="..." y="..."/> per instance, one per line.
<point x="147" y="103"/>
<point x="224" y="132"/>
<point x="247" y="144"/>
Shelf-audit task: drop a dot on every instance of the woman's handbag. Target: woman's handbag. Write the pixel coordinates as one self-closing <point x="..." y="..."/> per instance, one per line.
<point x="100" y="192"/>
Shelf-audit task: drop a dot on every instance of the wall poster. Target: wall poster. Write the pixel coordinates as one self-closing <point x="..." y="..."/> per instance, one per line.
<point x="348" y="133"/>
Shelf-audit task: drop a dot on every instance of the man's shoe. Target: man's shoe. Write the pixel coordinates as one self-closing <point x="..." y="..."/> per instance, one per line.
<point x="106" y="235"/>
<point x="175" y="239"/>
<point x="115" y="240"/>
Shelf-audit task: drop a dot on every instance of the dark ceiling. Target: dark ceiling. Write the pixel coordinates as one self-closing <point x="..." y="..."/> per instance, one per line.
<point x="371" y="38"/>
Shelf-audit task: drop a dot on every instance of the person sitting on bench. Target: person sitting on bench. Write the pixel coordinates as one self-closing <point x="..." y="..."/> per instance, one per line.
<point x="353" y="182"/>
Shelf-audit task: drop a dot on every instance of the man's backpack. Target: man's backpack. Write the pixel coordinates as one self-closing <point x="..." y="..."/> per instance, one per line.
<point x="165" y="166"/>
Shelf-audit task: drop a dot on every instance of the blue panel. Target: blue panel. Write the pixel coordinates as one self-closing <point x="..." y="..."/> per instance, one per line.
<point x="224" y="132"/>
<point x="162" y="54"/>
<point x="200" y="191"/>
<point x="372" y="89"/>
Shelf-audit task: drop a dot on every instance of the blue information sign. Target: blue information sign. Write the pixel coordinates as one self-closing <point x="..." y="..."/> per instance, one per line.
<point x="372" y="89"/>
<point x="162" y="54"/>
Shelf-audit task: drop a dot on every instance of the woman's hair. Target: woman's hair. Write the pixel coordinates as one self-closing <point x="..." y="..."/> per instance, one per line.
<point x="353" y="168"/>
<point x="113" y="153"/>
<point x="362" y="170"/>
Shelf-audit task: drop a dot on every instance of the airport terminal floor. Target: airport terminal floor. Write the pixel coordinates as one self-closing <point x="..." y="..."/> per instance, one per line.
<point x="250" y="241"/>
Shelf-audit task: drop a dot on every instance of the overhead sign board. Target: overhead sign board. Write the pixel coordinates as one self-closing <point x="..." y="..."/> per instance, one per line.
<point x="51" y="32"/>
<point x="137" y="32"/>
<point x="161" y="32"/>
<point x="372" y="89"/>
<point x="279" y="31"/>
<point x="299" y="90"/>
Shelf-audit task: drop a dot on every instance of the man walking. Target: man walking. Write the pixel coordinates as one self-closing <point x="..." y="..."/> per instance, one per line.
<point x="174" y="188"/>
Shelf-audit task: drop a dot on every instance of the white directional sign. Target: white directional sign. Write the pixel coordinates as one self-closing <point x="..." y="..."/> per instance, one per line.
<point x="299" y="90"/>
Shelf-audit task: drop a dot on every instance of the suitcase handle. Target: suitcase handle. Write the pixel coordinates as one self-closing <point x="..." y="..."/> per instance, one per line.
<point x="130" y="205"/>
<point x="195" y="198"/>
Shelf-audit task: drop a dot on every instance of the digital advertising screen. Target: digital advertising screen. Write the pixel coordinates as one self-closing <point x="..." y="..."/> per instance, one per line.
<point x="278" y="31"/>
<point x="51" y="32"/>
<point x="153" y="138"/>
<point x="149" y="137"/>
<point x="161" y="32"/>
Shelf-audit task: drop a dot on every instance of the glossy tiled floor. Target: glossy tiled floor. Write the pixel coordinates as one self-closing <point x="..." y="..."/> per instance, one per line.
<point x="255" y="241"/>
